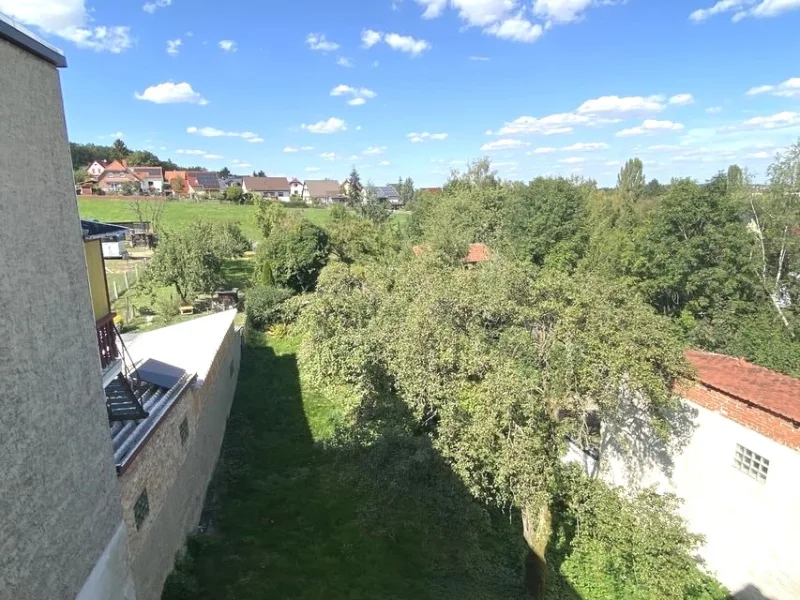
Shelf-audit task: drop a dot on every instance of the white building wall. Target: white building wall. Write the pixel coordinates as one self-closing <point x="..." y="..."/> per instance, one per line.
<point x="752" y="529"/>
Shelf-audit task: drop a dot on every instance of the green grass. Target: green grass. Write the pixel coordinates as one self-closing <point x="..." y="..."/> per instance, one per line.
<point x="292" y="514"/>
<point x="182" y="213"/>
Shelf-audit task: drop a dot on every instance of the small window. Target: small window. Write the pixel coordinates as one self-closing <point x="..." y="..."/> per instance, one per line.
<point x="750" y="463"/>
<point x="184" y="430"/>
<point x="141" y="509"/>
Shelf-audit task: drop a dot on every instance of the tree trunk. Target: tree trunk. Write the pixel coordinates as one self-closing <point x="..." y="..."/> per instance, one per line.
<point x="537" y="526"/>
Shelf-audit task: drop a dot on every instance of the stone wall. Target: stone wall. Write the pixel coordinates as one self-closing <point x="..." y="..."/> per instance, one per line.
<point x="176" y="474"/>
<point x="59" y="498"/>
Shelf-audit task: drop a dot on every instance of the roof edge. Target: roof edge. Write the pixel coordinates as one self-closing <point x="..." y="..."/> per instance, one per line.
<point x="21" y="37"/>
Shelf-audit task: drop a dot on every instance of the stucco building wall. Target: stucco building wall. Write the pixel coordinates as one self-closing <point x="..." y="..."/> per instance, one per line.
<point x="751" y="527"/>
<point x="59" y="498"/>
<point x="176" y="475"/>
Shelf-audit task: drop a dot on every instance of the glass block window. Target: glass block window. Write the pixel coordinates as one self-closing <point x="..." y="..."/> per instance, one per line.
<point x="184" y="430"/>
<point x="750" y="463"/>
<point x="141" y="509"/>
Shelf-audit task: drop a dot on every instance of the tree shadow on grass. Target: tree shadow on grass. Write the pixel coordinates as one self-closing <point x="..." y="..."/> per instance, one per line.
<point x="291" y="517"/>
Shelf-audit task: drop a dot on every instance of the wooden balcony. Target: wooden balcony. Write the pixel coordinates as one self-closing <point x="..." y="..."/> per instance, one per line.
<point x="107" y="340"/>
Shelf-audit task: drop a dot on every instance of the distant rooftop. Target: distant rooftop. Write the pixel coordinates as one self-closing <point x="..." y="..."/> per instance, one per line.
<point x="18" y="35"/>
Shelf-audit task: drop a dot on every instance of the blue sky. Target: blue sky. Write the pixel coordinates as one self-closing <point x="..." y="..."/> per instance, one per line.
<point x="414" y="87"/>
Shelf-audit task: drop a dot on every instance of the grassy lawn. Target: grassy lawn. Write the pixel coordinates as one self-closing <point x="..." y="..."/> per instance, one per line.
<point x="182" y="213"/>
<point x="293" y="514"/>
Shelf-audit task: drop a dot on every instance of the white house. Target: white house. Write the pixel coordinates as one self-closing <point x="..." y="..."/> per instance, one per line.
<point x="152" y="178"/>
<point x="96" y="168"/>
<point x="738" y="471"/>
<point x="296" y="187"/>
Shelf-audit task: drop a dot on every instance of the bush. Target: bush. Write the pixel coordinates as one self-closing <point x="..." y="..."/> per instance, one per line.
<point x="229" y="240"/>
<point x="296" y="249"/>
<point x="263" y="305"/>
<point x="295" y="204"/>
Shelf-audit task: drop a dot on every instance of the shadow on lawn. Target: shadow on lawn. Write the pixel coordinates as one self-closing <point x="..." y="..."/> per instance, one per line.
<point x="291" y="517"/>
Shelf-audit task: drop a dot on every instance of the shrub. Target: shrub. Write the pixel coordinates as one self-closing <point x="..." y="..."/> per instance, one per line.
<point x="263" y="305"/>
<point x="229" y="240"/>
<point x="296" y="250"/>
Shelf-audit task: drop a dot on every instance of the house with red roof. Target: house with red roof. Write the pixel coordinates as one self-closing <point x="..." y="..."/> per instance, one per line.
<point x="735" y="463"/>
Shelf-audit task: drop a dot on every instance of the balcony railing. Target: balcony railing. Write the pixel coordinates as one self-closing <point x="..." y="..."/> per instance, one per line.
<point x="107" y="340"/>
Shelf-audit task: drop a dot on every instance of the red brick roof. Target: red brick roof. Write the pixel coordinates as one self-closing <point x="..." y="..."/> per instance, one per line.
<point x="774" y="392"/>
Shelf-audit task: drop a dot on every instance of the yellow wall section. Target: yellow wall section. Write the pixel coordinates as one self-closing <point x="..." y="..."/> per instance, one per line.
<point x="97" y="278"/>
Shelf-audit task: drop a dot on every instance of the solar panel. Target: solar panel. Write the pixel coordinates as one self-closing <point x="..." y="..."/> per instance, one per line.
<point x="208" y="180"/>
<point x="386" y="192"/>
<point x="159" y="373"/>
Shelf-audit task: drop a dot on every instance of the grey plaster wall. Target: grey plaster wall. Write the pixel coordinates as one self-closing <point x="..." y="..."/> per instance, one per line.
<point x="59" y="498"/>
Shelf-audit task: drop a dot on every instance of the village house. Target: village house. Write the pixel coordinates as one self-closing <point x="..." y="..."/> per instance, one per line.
<point x="296" y="188"/>
<point x="96" y="168"/>
<point x="388" y="194"/>
<point x="324" y="191"/>
<point x="268" y="187"/>
<point x="116" y="177"/>
<point x="192" y="182"/>
<point x="735" y="468"/>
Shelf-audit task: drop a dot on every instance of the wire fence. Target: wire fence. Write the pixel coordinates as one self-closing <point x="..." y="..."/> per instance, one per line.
<point x="120" y="282"/>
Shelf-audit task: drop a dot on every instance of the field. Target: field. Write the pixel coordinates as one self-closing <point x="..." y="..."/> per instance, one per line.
<point x="294" y="513"/>
<point x="181" y="213"/>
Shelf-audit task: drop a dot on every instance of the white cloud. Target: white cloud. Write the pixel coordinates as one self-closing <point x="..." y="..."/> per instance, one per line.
<point x="406" y="43"/>
<point x="359" y="95"/>
<point x="172" y="46"/>
<point x="329" y="156"/>
<point x="332" y="125"/>
<point x="572" y="160"/>
<point x="318" y="41"/>
<point x="681" y="99"/>
<point x="759" y="155"/>
<point x="586" y="147"/>
<point x="650" y="126"/>
<point x="788" y="89"/>
<point x="213" y="156"/>
<point x="214" y="132"/>
<point x="780" y="120"/>
<point x="425" y="136"/>
<point x="151" y="7"/>
<point x="516" y="29"/>
<point x="306" y="148"/>
<point x="663" y="147"/>
<point x="503" y="144"/>
<point x="116" y="135"/>
<point x="614" y="106"/>
<point x="70" y="20"/>
<point x="612" y="163"/>
<point x="228" y="45"/>
<point x="343" y="61"/>
<point x="372" y="150"/>
<point x="171" y="93"/>
<point x="312" y="169"/>
<point x="544" y="150"/>
<point x="370" y="37"/>
<point x="255" y="140"/>
<point x="191" y="152"/>
<point x="241" y="164"/>
<point x="746" y="8"/>
<point x="712" y="110"/>
<point x="509" y="19"/>
<point x="384" y="163"/>
<point x="480" y="58"/>
<point x="358" y="127"/>
<point x="549" y="125"/>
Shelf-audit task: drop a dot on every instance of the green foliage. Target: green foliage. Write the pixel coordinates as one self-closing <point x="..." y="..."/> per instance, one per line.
<point x="229" y="241"/>
<point x="188" y="259"/>
<point x="630" y="181"/>
<point x="167" y="307"/>
<point x="268" y="215"/>
<point x="142" y="158"/>
<point x="234" y="193"/>
<point x="263" y="303"/>
<point x="296" y="249"/>
<point x="224" y="173"/>
<point x="354" y="188"/>
<point x="119" y="150"/>
<point x="735" y="178"/>
<point x="263" y="271"/>
<point x="610" y="544"/>
<point x="80" y="175"/>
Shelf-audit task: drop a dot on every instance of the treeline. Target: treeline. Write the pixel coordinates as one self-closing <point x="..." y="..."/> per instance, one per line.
<point x="84" y="155"/>
<point x="720" y="258"/>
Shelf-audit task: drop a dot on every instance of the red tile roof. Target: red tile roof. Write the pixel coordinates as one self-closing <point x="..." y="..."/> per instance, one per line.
<point x="774" y="392"/>
<point x="477" y="253"/>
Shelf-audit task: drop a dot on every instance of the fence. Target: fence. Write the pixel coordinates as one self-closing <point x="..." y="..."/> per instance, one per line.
<point x="121" y="281"/>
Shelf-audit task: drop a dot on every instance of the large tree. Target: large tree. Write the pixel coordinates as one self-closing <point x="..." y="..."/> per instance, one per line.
<point x="119" y="150"/>
<point x="630" y="181"/>
<point x="296" y="251"/>
<point x="188" y="259"/>
<point x="354" y="190"/>
<point x="143" y="158"/>
<point x="498" y="364"/>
